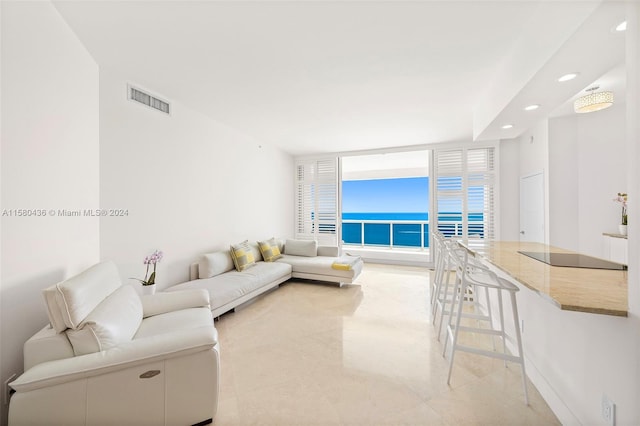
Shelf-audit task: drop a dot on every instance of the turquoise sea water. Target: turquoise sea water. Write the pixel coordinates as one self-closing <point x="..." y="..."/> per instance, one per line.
<point x="404" y="234"/>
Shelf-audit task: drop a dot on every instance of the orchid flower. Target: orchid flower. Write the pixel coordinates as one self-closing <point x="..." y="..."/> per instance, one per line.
<point x="622" y="199"/>
<point x="151" y="259"/>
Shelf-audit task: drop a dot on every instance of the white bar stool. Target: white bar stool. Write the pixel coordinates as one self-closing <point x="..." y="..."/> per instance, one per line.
<point x="471" y="273"/>
<point x="440" y="291"/>
<point x="444" y="290"/>
<point x="440" y="261"/>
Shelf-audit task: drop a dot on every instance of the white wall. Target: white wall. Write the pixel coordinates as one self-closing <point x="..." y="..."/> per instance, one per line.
<point x="49" y="161"/>
<point x="564" y="186"/>
<point x="587" y="168"/>
<point x="190" y="185"/>
<point x="509" y="190"/>
<point x="2" y="410"/>
<point x="583" y="159"/>
<point x="601" y="146"/>
<point x="534" y="158"/>
<point x="633" y="184"/>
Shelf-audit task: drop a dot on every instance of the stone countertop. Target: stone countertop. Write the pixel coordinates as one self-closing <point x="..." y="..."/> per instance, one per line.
<point x="610" y="234"/>
<point x="597" y="291"/>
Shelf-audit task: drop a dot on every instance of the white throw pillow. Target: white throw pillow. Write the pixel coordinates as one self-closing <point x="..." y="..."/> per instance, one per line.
<point x="212" y="264"/>
<point x="307" y="248"/>
<point x="112" y="322"/>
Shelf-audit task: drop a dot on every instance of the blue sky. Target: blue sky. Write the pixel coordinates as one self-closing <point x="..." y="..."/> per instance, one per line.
<point x="401" y="195"/>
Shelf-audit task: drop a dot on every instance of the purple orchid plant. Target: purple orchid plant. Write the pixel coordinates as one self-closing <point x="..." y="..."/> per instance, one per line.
<point x="622" y="199"/>
<point x="151" y="259"/>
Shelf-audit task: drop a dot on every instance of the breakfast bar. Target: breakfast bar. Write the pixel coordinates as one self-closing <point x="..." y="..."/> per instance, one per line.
<point x="575" y="325"/>
<point x="583" y="289"/>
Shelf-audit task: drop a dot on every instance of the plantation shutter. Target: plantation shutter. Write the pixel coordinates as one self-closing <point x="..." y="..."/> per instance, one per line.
<point x="450" y="199"/>
<point x="481" y="193"/>
<point x="465" y="192"/>
<point x="317" y="200"/>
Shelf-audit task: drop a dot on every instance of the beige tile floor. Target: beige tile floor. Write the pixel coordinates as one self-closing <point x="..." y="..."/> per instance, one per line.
<point x="363" y="354"/>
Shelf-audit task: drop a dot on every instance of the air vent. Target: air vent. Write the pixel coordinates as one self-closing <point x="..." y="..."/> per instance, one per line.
<point x="141" y="96"/>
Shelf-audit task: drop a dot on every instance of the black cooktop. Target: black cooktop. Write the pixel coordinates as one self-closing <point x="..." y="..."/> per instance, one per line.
<point x="573" y="260"/>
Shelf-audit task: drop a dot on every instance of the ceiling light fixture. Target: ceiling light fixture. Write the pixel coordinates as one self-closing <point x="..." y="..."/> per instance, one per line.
<point x="531" y="107"/>
<point x="507" y="126"/>
<point x="594" y="101"/>
<point x="622" y="26"/>
<point x="568" y="77"/>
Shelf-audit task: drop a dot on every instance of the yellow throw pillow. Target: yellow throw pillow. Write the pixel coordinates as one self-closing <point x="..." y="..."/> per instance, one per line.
<point x="269" y="250"/>
<point x="242" y="256"/>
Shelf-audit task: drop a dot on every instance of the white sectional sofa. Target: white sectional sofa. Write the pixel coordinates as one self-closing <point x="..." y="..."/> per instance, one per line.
<point x="228" y="287"/>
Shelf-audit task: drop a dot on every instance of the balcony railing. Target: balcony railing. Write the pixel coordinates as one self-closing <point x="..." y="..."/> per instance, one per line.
<point x="400" y="234"/>
<point x="385" y="233"/>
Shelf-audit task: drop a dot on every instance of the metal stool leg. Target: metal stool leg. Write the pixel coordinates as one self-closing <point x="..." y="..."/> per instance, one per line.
<point x="443" y="297"/>
<point x="456" y="294"/>
<point x="456" y="330"/>
<point x="516" y="319"/>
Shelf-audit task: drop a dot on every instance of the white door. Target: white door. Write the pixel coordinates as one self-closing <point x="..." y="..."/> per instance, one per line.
<point x="532" y="208"/>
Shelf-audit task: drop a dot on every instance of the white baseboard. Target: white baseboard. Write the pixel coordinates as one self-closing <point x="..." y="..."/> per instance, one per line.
<point x="396" y="262"/>
<point x="559" y="408"/>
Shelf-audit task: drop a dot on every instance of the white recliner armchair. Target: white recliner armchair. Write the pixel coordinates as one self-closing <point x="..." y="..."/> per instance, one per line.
<point x="111" y="357"/>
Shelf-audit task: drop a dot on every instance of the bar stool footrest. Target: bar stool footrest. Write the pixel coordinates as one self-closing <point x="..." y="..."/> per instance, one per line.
<point x="492" y="354"/>
<point x="478" y="330"/>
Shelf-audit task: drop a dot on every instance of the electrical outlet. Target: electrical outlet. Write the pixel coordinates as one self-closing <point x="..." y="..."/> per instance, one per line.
<point x="522" y="326"/>
<point x="608" y="411"/>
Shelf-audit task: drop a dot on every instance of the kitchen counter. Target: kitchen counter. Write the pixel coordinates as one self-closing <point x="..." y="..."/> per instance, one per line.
<point x="610" y="234"/>
<point x="597" y="291"/>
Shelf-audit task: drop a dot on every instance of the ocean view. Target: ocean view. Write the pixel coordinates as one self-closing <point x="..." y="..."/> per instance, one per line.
<point x="404" y="234"/>
<point x="366" y="216"/>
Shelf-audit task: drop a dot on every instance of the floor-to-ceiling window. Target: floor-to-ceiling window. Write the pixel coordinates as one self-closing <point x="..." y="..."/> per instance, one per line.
<point x="385" y="200"/>
<point x="384" y="205"/>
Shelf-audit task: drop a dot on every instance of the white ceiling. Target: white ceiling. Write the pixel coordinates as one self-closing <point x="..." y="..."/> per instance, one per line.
<point x="386" y="165"/>
<point x="327" y="76"/>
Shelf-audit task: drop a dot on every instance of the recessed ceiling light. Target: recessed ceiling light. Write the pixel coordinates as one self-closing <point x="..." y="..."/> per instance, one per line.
<point x="568" y="77"/>
<point x="507" y="126"/>
<point x="531" y="107"/>
<point x="622" y="26"/>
